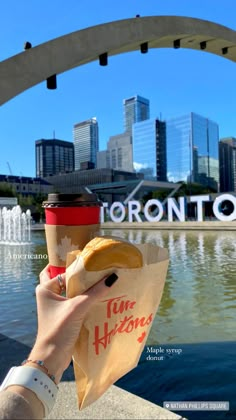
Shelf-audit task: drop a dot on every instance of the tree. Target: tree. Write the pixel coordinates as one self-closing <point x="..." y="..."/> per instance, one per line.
<point x="184" y="190"/>
<point x="34" y="203"/>
<point x="192" y="189"/>
<point x="6" y="190"/>
<point x="157" y="194"/>
<point x="39" y="210"/>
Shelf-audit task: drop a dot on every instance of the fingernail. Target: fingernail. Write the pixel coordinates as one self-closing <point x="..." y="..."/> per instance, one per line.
<point x="111" y="279"/>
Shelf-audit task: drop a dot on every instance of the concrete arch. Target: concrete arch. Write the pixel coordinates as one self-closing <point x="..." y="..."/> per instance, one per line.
<point x="32" y="66"/>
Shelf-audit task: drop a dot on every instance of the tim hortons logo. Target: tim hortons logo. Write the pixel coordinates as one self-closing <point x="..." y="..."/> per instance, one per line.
<point x="115" y="306"/>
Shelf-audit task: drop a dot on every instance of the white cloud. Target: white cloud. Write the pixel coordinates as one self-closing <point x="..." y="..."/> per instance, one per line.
<point x="139" y="166"/>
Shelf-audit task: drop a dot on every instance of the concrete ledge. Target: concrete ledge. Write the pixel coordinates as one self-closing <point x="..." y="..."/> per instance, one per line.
<point x="114" y="404"/>
<point x="190" y="225"/>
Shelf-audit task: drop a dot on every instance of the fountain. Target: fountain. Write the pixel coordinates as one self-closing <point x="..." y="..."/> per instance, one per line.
<point x="15" y="226"/>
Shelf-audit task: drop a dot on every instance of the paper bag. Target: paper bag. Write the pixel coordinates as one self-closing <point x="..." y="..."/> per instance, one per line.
<point x="115" y="331"/>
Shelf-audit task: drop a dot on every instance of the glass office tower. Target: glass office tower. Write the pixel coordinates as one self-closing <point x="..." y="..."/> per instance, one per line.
<point x="135" y="109"/>
<point x="192" y="150"/>
<point x="149" y="149"/>
<point x="227" y="158"/>
<point x="86" y="144"/>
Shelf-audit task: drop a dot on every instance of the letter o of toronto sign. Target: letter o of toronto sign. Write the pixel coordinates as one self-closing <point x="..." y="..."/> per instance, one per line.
<point x="218" y="201"/>
<point x="148" y="216"/>
<point x="118" y="207"/>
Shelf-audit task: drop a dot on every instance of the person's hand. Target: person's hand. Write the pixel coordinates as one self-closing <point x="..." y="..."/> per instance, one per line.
<point x="60" y="320"/>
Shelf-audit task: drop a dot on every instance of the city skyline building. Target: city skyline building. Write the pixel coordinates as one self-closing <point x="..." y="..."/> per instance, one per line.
<point x="149" y="149"/>
<point x="227" y="163"/>
<point x="102" y="159"/>
<point x="204" y="162"/>
<point x="53" y="157"/>
<point x="26" y="186"/>
<point x="192" y="150"/>
<point x="108" y="184"/>
<point x="86" y="143"/>
<point x="119" y="153"/>
<point x="135" y="109"/>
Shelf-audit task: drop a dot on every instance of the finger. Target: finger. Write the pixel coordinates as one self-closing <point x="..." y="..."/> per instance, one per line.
<point x="44" y="276"/>
<point x="56" y="285"/>
<point x="96" y="292"/>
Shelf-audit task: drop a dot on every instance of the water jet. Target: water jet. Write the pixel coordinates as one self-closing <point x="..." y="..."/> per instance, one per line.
<point x="15" y="226"/>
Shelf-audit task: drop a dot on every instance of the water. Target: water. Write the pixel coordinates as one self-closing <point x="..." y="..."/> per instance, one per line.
<point x="15" y="226"/>
<point x="20" y="266"/>
<point x="196" y="315"/>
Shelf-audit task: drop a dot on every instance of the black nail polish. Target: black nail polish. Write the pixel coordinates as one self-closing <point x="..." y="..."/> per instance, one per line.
<point x="111" y="279"/>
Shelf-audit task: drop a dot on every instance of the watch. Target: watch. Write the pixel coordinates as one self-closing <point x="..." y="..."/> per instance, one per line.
<point x="35" y="380"/>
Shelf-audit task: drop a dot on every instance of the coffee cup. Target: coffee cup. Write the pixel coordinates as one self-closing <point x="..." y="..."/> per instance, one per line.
<point x="72" y="220"/>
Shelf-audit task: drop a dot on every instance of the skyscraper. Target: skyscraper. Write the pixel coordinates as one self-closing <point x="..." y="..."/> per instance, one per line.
<point x="227" y="161"/>
<point x="119" y="153"/>
<point x="192" y="150"/>
<point x="136" y="109"/>
<point x="149" y="149"/>
<point x="53" y="157"/>
<point x="86" y="143"/>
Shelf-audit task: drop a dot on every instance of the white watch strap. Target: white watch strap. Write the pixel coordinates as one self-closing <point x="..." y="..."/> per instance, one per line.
<point x="35" y="380"/>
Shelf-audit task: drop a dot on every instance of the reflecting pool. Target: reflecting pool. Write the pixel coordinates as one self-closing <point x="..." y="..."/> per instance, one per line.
<point x="197" y="314"/>
<point x="199" y="299"/>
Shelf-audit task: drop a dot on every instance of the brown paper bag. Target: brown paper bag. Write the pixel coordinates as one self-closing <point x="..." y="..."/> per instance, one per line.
<point x="115" y="331"/>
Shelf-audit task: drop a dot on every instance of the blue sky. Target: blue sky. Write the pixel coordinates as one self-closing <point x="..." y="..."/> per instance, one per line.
<point x="175" y="81"/>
